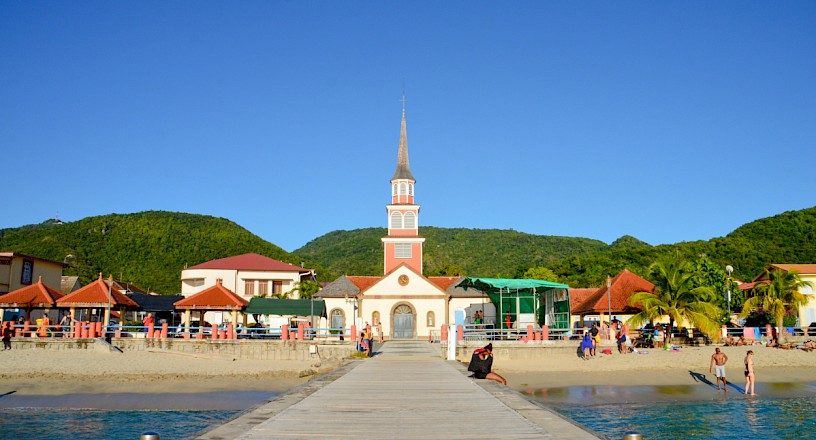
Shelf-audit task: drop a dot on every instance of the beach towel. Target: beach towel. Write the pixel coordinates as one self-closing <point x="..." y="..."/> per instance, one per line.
<point x="757" y="333"/>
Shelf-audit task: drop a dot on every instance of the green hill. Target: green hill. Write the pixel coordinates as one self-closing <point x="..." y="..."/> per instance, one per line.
<point x="151" y="248"/>
<point x="785" y="238"/>
<point x="148" y="249"/>
<point x="449" y="251"/>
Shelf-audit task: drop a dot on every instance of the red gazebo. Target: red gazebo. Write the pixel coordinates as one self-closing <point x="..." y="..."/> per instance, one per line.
<point x="216" y="298"/>
<point x="97" y="295"/>
<point x="35" y="296"/>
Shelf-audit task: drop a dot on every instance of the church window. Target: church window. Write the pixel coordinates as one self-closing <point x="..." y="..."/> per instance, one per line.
<point x="402" y="250"/>
<point x="402" y="189"/>
<point x="396" y="220"/>
<point x="338" y="319"/>
<point x="409" y="221"/>
<point x="394" y="189"/>
<point x="410" y="189"/>
<point x="375" y="318"/>
<point x="430" y="319"/>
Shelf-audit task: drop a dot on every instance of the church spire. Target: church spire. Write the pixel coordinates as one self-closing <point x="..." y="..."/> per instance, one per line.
<point x="403" y="169"/>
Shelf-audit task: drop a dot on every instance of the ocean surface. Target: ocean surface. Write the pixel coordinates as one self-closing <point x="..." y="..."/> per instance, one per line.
<point x="120" y="416"/>
<point x="780" y="411"/>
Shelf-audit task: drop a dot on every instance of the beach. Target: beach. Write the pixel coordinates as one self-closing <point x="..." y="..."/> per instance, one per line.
<point x="44" y="372"/>
<point x="657" y="368"/>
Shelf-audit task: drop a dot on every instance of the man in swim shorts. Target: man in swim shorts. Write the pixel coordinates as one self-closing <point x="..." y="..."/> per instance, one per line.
<point x="718" y="360"/>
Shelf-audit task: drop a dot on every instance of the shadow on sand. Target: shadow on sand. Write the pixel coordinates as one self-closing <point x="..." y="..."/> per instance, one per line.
<point x="700" y="377"/>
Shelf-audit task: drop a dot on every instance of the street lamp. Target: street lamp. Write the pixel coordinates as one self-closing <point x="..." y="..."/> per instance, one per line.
<point x="728" y="269"/>
<point x="353" y="300"/>
<point x="609" y="302"/>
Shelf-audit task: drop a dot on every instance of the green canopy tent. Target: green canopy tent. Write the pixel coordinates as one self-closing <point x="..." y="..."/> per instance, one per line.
<point x="286" y="307"/>
<point x="546" y="300"/>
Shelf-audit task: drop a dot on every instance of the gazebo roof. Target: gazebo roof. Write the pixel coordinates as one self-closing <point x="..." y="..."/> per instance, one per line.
<point x="96" y="294"/>
<point x="216" y="297"/>
<point x="622" y="286"/>
<point x="37" y="295"/>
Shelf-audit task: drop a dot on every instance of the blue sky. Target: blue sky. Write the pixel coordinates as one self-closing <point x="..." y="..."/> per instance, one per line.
<point x="668" y="121"/>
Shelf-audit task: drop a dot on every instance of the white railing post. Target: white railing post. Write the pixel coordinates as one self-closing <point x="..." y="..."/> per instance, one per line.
<point x="452" y="343"/>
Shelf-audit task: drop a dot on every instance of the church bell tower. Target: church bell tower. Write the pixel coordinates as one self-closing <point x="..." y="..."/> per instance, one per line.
<point x="403" y="243"/>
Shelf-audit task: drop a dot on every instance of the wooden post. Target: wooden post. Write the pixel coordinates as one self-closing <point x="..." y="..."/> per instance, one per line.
<point x="284" y="332"/>
<point x="164" y="331"/>
<point x="545" y="333"/>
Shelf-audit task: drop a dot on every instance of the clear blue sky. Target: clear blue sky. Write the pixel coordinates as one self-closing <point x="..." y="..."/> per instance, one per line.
<point x="668" y="121"/>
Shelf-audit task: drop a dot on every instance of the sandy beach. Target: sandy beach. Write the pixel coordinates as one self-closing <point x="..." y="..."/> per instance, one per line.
<point x="657" y="368"/>
<point x="38" y="372"/>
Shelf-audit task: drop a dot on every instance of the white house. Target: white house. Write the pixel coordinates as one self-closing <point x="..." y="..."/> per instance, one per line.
<point x="246" y="275"/>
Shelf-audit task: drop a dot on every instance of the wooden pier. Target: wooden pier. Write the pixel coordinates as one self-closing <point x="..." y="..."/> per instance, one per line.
<point x="405" y="392"/>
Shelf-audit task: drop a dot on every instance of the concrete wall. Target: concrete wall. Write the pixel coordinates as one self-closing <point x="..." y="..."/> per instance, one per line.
<point x="265" y="350"/>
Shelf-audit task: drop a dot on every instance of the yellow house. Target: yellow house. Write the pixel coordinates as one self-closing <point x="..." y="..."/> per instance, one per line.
<point x="807" y="272"/>
<point x="18" y="271"/>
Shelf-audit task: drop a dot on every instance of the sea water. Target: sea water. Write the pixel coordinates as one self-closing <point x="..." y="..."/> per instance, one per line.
<point x="120" y="416"/>
<point x="68" y="423"/>
<point x="723" y="416"/>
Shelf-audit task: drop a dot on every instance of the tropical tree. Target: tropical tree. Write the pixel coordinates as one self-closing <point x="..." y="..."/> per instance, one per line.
<point x="306" y="289"/>
<point x="540" y="273"/>
<point x="675" y="295"/>
<point x="778" y="295"/>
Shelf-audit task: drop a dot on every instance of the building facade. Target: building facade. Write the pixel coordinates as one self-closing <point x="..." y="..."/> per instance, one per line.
<point x="18" y="271"/>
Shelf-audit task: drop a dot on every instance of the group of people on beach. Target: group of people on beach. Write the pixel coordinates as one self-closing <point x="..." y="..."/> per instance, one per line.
<point x="718" y="360"/>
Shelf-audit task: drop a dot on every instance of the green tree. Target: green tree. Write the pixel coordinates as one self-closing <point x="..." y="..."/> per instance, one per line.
<point x="305" y="289"/>
<point x="540" y="273"/>
<point x="676" y="296"/>
<point x="781" y="293"/>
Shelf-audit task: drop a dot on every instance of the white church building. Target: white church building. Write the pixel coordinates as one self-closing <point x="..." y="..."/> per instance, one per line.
<point x="408" y="304"/>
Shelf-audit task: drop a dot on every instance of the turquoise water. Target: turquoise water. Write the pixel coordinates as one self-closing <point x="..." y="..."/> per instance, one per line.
<point x="119" y="416"/>
<point x="732" y="417"/>
<point x="52" y="423"/>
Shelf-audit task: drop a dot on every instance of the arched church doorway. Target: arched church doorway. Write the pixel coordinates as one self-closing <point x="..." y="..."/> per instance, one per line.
<point x="404" y="321"/>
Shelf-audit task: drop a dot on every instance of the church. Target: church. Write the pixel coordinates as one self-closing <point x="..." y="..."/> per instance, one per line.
<point x="408" y="304"/>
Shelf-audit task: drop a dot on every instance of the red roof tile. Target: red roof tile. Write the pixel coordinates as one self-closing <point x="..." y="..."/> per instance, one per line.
<point x="364" y="282"/>
<point x="249" y="261"/>
<point x="216" y="297"/>
<point x="36" y="295"/>
<point x="96" y="295"/>
<point x="579" y="295"/>
<point x="443" y="282"/>
<point x="623" y="286"/>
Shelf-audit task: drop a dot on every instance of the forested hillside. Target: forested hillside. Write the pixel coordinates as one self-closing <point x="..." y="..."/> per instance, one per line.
<point x="148" y="249"/>
<point x="449" y="251"/>
<point x="785" y="238"/>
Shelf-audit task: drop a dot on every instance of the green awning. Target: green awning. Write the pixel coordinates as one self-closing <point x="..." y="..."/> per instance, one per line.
<point x="512" y="284"/>
<point x="516" y="296"/>
<point x="285" y="307"/>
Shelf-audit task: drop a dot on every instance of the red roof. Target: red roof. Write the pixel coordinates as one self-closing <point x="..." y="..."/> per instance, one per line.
<point x="579" y="295"/>
<point x="443" y="282"/>
<point x="623" y="286"/>
<point x="216" y="297"/>
<point x="249" y="261"/>
<point x="363" y="282"/>
<point x="96" y="295"/>
<point x="801" y="269"/>
<point x="36" y="295"/>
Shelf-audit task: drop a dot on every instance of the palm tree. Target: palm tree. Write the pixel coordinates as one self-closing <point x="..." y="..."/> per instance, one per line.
<point x="780" y="293"/>
<point x="675" y="296"/>
<point x="306" y="289"/>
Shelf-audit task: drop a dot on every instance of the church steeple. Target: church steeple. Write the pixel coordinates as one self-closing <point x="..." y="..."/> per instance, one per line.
<point x="403" y="245"/>
<point x="403" y="168"/>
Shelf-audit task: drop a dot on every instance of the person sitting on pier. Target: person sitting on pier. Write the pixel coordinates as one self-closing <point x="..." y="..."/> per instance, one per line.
<point x="481" y="364"/>
<point x="364" y="347"/>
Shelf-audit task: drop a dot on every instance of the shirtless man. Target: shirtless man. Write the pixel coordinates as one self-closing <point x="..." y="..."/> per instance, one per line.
<point x="718" y="360"/>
